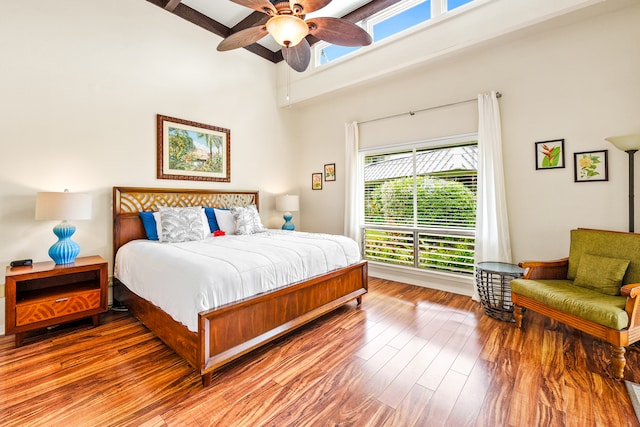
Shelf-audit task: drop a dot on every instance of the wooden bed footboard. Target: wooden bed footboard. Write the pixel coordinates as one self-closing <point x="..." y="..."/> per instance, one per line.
<point x="233" y="330"/>
<point x="229" y="332"/>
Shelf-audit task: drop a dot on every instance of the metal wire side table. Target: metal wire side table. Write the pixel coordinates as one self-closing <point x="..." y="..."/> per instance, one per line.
<point x="493" y="281"/>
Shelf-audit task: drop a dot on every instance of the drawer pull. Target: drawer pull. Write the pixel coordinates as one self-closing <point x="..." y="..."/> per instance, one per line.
<point x="62" y="299"/>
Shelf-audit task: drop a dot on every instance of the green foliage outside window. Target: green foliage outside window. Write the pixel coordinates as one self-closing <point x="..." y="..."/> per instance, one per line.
<point x="442" y="204"/>
<point x="439" y="202"/>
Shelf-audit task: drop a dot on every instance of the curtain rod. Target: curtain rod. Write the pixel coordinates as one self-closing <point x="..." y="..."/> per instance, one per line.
<point x="412" y="113"/>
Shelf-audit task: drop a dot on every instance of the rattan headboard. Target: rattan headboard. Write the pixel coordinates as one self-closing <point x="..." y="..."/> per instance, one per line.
<point x="129" y="201"/>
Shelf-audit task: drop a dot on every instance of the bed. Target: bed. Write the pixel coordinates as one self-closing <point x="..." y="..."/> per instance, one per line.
<point x="233" y="329"/>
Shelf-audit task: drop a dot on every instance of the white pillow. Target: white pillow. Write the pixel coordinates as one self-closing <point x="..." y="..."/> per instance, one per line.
<point x="156" y="216"/>
<point x="226" y="221"/>
<point x="247" y="220"/>
<point x="181" y="224"/>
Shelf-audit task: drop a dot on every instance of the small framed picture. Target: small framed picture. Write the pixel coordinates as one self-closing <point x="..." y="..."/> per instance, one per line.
<point x="330" y="172"/>
<point x="591" y="166"/>
<point x="550" y="154"/>
<point x="316" y="181"/>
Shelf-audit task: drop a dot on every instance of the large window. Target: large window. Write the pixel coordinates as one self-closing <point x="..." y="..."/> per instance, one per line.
<point x="420" y="205"/>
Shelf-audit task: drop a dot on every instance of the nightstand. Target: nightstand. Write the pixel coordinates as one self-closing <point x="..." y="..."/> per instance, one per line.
<point x="46" y="294"/>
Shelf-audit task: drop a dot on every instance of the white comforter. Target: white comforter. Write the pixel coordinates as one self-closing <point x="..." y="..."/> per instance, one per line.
<point x="186" y="278"/>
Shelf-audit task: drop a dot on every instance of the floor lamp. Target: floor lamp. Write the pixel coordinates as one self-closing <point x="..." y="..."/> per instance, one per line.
<point x="629" y="144"/>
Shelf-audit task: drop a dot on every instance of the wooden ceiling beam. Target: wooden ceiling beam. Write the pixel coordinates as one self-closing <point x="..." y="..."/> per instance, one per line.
<point x="202" y="21"/>
<point x="213" y="26"/>
<point x="369" y="9"/>
<point x="257" y="18"/>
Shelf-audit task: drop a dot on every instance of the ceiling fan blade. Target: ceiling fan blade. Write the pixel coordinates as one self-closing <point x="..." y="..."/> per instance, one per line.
<point x="299" y="56"/>
<point x="263" y="6"/>
<point x="307" y="6"/>
<point x="338" y="31"/>
<point x="243" y="38"/>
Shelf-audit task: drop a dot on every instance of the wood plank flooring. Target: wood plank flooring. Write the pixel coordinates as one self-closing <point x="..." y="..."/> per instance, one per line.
<point x="409" y="356"/>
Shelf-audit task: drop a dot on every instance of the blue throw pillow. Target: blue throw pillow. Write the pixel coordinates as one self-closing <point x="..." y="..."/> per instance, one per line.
<point x="211" y="217"/>
<point x="149" y="223"/>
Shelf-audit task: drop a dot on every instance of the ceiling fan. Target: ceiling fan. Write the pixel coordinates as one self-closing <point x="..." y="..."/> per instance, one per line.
<point x="287" y="26"/>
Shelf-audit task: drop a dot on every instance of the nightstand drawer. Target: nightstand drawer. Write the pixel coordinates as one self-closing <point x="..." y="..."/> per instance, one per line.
<point x="37" y="311"/>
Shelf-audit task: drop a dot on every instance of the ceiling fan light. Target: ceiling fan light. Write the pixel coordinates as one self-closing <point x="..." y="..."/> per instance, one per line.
<point x="287" y="30"/>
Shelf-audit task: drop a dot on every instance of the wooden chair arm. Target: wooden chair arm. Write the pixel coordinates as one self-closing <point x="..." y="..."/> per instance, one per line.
<point x="542" y="270"/>
<point x="631" y="291"/>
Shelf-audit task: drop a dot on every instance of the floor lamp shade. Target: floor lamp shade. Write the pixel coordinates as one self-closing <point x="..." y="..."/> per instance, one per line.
<point x="63" y="206"/>
<point x="287" y="204"/>
<point x="629" y="144"/>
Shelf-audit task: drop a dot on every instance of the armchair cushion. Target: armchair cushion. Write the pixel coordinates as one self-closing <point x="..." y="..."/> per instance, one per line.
<point x="563" y="295"/>
<point x="605" y="243"/>
<point x="602" y="274"/>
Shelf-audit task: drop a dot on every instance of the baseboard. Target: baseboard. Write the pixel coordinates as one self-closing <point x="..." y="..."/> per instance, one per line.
<point x="453" y="283"/>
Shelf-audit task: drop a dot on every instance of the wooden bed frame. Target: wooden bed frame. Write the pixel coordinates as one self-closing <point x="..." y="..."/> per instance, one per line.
<point x="230" y="331"/>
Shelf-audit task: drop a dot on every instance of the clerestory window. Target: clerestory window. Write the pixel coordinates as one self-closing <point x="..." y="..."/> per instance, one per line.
<point x="393" y="20"/>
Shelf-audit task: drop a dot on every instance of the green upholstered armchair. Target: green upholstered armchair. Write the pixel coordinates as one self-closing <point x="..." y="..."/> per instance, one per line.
<point x="594" y="290"/>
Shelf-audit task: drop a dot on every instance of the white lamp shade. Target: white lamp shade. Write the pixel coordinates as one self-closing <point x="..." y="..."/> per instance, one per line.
<point x="626" y="142"/>
<point x="63" y="206"/>
<point x="287" y="30"/>
<point x="287" y="203"/>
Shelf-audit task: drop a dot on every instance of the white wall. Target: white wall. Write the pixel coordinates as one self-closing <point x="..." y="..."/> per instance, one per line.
<point x="81" y="82"/>
<point x="578" y="82"/>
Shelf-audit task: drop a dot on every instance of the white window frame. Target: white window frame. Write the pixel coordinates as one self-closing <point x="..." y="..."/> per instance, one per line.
<point x="368" y="24"/>
<point x="438" y="10"/>
<point x="416" y="230"/>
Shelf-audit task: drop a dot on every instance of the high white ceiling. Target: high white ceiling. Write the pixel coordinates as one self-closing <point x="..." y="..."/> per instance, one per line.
<point x="229" y="13"/>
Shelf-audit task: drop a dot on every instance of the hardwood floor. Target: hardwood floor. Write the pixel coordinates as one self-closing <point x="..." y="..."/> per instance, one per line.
<point x="408" y="356"/>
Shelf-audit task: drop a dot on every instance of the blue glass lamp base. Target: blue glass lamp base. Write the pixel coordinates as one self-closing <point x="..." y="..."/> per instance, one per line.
<point x="65" y="250"/>
<point x="288" y="225"/>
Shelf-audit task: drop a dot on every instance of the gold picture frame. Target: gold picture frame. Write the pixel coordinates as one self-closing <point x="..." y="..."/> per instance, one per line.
<point x="192" y="151"/>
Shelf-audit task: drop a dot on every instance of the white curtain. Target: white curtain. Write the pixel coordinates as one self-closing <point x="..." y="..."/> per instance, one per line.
<point x="351" y="193"/>
<point x="492" y="223"/>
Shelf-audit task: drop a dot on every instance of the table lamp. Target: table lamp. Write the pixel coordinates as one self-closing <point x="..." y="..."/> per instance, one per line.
<point x="287" y="204"/>
<point x="629" y="144"/>
<point x="63" y="206"/>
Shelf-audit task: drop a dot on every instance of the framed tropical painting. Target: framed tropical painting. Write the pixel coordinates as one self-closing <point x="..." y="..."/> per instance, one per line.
<point x="192" y="151"/>
<point x="591" y="166"/>
<point x="550" y="154"/>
